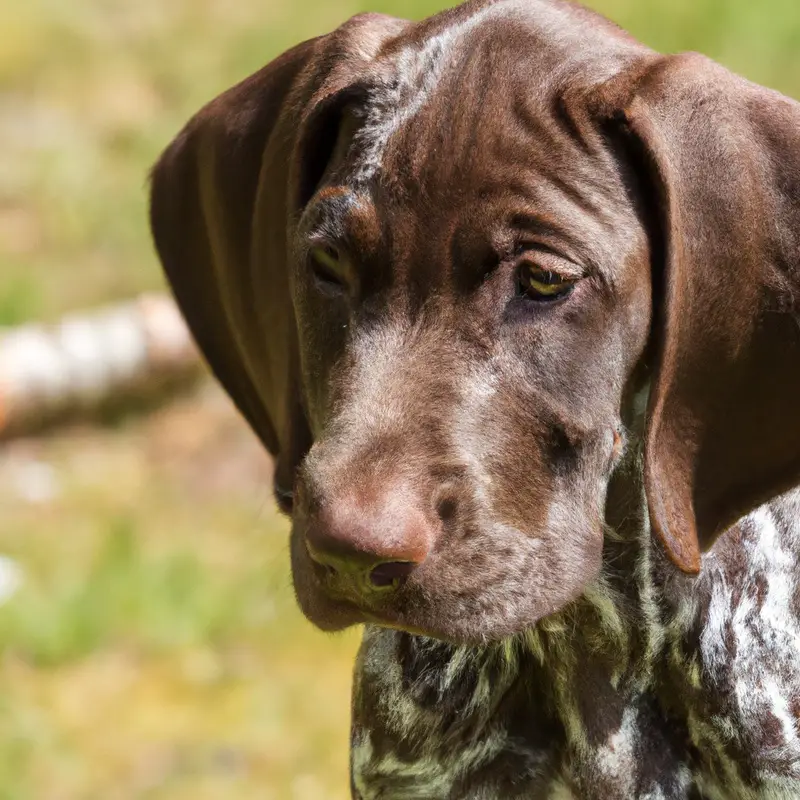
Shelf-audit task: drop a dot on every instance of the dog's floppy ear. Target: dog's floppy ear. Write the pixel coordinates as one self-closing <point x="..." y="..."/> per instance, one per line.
<point x="723" y="426"/>
<point x="224" y="197"/>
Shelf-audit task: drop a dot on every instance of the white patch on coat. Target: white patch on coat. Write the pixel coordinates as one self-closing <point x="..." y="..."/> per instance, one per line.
<point x="419" y="70"/>
<point x="712" y="640"/>
<point x="751" y="643"/>
<point x="614" y="758"/>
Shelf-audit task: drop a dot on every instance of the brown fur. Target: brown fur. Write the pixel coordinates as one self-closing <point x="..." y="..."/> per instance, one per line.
<point x="420" y="410"/>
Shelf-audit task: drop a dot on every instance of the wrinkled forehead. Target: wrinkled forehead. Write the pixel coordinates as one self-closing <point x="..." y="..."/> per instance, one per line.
<point x="477" y="128"/>
<point x="450" y="89"/>
<point x="448" y="94"/>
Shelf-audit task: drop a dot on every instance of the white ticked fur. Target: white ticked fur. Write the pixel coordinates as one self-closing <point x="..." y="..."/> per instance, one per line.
<point x="760" y="676"/>
<point x="742" y="667"/>
<point x="418" y="71"/>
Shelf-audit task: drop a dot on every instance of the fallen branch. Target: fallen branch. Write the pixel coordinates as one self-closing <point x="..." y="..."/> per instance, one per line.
<point x="86" y="362"/>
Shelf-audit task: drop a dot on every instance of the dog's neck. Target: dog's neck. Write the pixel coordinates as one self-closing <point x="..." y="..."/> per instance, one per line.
<point x="569" y="684"/>
<point x="574" y="672"/>
<point x="609" y="690"/>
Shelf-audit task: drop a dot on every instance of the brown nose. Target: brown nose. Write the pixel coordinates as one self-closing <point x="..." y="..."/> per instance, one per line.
<point x="365" y="547"/>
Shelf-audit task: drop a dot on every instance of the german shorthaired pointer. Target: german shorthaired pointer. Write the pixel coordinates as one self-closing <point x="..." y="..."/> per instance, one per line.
<point x="513" y="301"/>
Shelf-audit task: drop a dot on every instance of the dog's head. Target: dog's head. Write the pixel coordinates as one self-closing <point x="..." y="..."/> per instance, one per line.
<point x="433" y="264"/>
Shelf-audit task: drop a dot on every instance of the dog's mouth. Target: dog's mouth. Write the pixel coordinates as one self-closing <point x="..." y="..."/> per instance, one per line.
<point x="420" y="606"/>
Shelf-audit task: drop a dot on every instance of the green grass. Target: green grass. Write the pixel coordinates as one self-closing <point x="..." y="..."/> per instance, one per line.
<point x="158" y="603"/>
<point x="155" y="650"/>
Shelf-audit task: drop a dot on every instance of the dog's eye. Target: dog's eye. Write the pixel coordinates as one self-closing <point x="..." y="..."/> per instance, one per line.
<point x="326" y="266"/>
<point x="542" y="284"/>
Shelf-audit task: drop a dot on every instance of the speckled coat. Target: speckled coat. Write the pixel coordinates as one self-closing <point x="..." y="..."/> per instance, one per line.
<point x="653" y="685"/>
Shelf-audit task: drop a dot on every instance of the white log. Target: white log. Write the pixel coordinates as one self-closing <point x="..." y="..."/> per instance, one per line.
<point x="86" y="360"/>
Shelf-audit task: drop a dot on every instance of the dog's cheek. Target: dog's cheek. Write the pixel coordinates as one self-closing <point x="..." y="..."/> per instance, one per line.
<point x="323" y="358"/>
<point x="564" y="528"/>
<point x="536" y="535"/>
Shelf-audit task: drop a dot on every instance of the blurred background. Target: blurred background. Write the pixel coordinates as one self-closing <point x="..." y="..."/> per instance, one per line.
<point x="150" y="646"/>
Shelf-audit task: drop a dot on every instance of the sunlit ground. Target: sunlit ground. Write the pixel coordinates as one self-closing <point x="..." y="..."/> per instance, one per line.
<point x="155" y="650"/>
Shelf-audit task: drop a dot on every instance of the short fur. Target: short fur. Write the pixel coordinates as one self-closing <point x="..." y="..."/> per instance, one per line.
<point x="597" y="494"/>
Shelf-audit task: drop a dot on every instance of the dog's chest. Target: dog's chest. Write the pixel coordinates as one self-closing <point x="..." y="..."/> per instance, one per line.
<point x="697" y="695"/>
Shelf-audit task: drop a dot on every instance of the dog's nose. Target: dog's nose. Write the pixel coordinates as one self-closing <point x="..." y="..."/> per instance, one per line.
<point x="368" y="548"/>
<point x="360" y="571"/>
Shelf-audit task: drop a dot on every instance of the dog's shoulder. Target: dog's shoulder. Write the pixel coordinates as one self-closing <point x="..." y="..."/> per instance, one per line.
<point x="740" y="650"/>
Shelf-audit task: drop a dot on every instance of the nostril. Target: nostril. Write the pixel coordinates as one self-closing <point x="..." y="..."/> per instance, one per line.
<point x="390" y="573"/>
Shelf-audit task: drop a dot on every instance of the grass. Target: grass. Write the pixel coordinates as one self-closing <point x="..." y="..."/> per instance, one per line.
<point x="155" y="650"/>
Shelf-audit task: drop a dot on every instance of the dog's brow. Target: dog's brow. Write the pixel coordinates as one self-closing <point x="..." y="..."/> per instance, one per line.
<point x="534" y="230"/>
<point x="327" y="214"/>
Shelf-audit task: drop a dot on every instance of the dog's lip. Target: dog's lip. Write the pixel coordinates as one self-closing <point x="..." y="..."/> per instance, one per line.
<point x="356" y="614"/>
<point x="331" y="611"/>
<point x="340" y="613"/>
<point x="396" y="613"/>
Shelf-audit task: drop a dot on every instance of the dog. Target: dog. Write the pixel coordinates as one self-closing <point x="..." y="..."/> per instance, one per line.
<point x="513" y="301"/>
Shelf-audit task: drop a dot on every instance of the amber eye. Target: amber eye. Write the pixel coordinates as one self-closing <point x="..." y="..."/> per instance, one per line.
<point x="326" y="266"/>
<point x="542" y="284"/>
